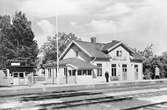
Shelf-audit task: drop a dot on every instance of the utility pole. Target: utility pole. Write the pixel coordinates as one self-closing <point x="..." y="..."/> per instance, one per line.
<point x="57" y="45"/>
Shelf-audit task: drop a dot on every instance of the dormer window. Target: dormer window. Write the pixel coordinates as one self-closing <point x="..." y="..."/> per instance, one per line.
<point x="118" y="53"/>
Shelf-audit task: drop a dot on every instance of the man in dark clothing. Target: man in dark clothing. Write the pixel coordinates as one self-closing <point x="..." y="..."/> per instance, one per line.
<point x="106" y="76"/>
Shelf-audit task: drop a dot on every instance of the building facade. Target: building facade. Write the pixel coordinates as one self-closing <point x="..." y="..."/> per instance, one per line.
<point x="87" y="62"/>
<point x="20" y="70"/>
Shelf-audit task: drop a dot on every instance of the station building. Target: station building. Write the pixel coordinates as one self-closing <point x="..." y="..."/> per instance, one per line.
<point x="87" y="62"/>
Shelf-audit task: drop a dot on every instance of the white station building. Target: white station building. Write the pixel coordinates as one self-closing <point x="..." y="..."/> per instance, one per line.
<point x="87" y="62"/>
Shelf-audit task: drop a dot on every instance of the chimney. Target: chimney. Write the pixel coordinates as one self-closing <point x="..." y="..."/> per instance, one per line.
<point x="93" y="39"/>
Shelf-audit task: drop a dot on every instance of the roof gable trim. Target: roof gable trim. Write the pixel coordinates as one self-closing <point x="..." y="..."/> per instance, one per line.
<point x="63" y="54"/>
<point x="82" y="49"/>
<point x="111" y="48"/>
<point x="72" y="66"/>
<point x="68" y="47"/>
<point x="124" y="46"/>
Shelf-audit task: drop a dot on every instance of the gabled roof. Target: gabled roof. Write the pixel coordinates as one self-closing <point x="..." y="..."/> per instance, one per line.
<point x="110" y="44"/>
<point x="99" y="50"/>
<point x="94" y="49"/>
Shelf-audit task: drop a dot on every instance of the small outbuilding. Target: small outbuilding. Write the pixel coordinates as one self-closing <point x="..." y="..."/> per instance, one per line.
<point x="21" y="71"/>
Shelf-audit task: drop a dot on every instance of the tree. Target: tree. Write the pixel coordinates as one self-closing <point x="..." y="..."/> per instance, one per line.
<point x="148" y="58"/>
<point x="6" y="46"/>
<point x="151" y="60"/>
<point x="147" y="52"/>
<point x="24" y="37"/>
<point x="16" y="39"/>
<point x="50" y="47"/>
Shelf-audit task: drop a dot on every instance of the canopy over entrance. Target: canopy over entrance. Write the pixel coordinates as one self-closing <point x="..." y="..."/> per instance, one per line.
<point x="77" y="63"/>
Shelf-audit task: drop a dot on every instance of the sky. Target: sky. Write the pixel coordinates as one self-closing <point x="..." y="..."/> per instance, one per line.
<point x="138" y="23"/>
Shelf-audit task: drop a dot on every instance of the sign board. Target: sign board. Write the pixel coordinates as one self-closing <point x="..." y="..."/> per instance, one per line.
<point x="15" y="64"/>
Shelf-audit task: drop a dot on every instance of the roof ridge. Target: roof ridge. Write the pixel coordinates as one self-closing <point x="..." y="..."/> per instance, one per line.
<point x="88" y="42"/>
<point x="113" y="41"/>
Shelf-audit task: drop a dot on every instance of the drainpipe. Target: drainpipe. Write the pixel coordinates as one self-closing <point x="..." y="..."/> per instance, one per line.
<point x="93" y="62"/>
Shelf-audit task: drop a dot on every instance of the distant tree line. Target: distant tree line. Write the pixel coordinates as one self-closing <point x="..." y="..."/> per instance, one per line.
<point x="16" y="39"/>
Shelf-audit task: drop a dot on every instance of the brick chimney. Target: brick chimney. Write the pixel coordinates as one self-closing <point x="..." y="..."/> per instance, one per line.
<point x="93" y="39"/>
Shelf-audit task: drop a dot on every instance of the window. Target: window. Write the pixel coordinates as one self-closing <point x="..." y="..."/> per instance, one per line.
<point x="73" y="72"/>
<point x="84" y="72"/>
<point x="79" y="72"/>
<point x="136" y="68"/>
<point x="136" y="71"/>
<point x="15" y="75"/>
<point x="124" y="68"/>
<point x="99" y="70"/>
<point x="118" y="53"/>
<point x="89" y="72"/>
<point x="76" y="53"/>
<point x="70" y="73"/>
<point x="21" y="75"/>
<point x="113" y="70"/>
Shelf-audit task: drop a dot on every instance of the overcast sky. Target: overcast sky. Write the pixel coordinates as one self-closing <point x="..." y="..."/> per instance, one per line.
<point x="135" y="22"/>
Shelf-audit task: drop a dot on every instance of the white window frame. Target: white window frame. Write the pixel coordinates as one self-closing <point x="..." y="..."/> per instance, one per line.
<point x="99" y="69"/>
<point x="113" y="70"/>
<point x="119" y="53"/>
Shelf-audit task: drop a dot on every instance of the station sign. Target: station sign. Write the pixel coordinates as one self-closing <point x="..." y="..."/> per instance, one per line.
<point x="15" y="64"/>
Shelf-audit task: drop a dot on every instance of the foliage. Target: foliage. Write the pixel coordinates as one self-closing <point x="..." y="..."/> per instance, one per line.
<point x="151" y="60"/>
<point x="147" y="52"/>
<point x="50" y="47"/>
<point x="16" y="39"/>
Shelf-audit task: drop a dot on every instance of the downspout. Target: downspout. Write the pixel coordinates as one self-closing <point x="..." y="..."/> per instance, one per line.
<point x="93" y="76"/>
<point x="66" y="75"/>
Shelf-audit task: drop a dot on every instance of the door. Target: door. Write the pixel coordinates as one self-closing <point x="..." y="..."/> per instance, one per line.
<point x="71" y="76"/>
<point x="124" y="71"/>
<point x="15" y="79"/>
<point x="18" y="78"/>
<point x="136" y="72"/>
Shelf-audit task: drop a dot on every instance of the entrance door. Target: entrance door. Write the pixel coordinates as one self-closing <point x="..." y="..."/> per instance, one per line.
<point x="136" y="72"/>
<point x="18" y="78"/>
<point x="124" y="71"/>
<point x="71" y="76"/>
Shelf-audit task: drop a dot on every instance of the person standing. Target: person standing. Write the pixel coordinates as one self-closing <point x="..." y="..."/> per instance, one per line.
<point x="157" y="73"/>
<point x="107" y="76"/>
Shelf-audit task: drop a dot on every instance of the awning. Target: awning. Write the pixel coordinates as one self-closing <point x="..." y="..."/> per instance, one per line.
<point x="77" y="63"/>
<point x="73" y="62"/>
